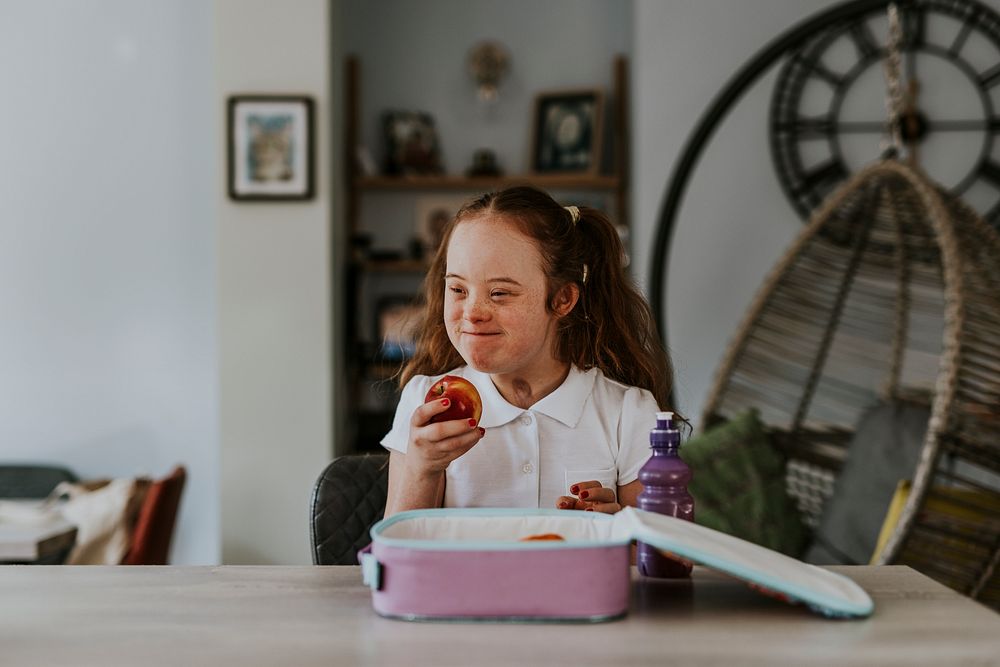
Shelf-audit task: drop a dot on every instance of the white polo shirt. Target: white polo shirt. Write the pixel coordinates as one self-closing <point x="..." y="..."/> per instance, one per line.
<point x="590" y="428"/>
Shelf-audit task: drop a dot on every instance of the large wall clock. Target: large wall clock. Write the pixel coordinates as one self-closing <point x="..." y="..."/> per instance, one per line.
<point x="828" y="111"/>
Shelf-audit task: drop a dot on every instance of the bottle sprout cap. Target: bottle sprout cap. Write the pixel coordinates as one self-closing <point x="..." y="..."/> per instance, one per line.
<point x="665" y="433"/>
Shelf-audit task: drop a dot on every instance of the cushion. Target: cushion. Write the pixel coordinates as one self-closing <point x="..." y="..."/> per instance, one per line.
<point x="884" y="449"/>
<point x="738" y="484"/>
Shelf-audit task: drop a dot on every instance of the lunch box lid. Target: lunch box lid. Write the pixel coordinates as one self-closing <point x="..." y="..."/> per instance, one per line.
<point x="766" y="570"/>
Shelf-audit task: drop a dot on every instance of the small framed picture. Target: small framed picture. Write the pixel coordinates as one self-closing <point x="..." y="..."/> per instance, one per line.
<point x="270" y="147"/>
<point x="411" y="143"/>
<point x="433" y="213"/>
<point x="396" y="319"/>
<point x="567" y="132"/>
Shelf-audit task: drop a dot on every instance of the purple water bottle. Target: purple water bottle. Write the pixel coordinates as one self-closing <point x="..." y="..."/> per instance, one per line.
<point x="664" y="480"/>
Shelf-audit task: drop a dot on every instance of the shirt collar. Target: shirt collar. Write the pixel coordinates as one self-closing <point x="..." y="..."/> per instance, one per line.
<point x="565" y="404"/>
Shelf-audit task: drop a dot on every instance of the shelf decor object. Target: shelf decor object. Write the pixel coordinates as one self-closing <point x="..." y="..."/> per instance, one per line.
<point x="411" y="143"/>
<point x="489" y="63"/>
<point x="270" y="147"/>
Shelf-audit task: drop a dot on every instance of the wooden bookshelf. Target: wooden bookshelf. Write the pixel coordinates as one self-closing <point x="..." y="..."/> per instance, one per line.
<point x="362" y="370"/>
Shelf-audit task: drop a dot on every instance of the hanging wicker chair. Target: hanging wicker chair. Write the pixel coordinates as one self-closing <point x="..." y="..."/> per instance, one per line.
<point x="892" y="290"/>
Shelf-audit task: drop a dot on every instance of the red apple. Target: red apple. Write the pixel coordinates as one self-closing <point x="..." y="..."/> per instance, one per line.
<point x="465" y="400"/>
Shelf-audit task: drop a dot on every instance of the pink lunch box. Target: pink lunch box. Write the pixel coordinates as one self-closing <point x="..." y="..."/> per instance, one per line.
<point x="472" y="564"/>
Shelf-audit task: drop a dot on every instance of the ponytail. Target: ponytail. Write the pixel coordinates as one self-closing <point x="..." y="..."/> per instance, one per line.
<point x="612" y="326"/>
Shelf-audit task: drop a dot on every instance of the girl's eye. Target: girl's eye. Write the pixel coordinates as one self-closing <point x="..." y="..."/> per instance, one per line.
<point x="456" y="290"/>
<point x="498" y="294"/>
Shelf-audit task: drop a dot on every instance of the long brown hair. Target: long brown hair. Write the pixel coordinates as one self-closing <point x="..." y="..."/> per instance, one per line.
<point x="611" y="326"/>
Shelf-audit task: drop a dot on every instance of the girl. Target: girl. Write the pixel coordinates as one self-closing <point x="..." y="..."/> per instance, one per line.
<point x="530" y="301"/>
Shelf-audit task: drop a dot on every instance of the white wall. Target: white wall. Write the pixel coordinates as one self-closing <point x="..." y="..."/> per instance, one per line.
<point x="734" y="222"/>
<point x="274" y="295"/>
<point x="107" y="246"/>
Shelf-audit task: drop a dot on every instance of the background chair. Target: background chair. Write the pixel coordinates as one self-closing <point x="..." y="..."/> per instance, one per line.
<point x="31" y="481"/>
<point x="348" y="498"/>
<point x="154" y="526"/>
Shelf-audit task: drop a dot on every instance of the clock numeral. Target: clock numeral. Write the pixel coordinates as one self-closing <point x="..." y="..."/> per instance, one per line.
<point x="828" y="172"/>
<point x="963" y="35"/>
<point x="863" y="40"/>
<point x="815" y="66"/>
<point x="993" y="215"/>
<point x="990" y="77"/>
<point x="990" y="170"/>
<point x="914" y="28"/>
<point x="807" y="128"/>
<point x="826" y="74"/>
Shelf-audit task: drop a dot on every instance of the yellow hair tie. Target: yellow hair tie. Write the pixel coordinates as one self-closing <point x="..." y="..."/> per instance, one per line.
<point x="574" y="213"/>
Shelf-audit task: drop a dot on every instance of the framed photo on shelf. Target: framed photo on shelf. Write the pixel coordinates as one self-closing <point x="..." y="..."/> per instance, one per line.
<point x="396" y="319"/>
<point x="411" y="143"/>
<point x="270" y="147"/>
<point x="567" y="132"/>
<point x="433" y="213"/>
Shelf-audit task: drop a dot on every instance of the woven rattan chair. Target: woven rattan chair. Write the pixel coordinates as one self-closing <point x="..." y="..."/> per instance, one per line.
<point x="892" y="290"/>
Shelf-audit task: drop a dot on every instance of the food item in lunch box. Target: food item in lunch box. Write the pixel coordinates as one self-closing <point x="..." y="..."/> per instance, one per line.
<point x="543" y="536"/>
<point x="465" y="400"/>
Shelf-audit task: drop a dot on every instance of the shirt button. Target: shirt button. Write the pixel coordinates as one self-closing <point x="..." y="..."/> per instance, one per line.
<point x="526" y="420"/>
<point x="527" y="468"/>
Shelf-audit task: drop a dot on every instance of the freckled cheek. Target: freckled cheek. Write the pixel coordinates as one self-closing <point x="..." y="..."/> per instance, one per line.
<point x="451" y="312"/>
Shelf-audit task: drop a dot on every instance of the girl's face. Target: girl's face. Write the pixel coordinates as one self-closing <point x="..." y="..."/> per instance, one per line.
<point x="495" y="298"/>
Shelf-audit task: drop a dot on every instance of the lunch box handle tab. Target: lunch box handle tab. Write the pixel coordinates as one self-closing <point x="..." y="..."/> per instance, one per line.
<point x="371" y="569"/>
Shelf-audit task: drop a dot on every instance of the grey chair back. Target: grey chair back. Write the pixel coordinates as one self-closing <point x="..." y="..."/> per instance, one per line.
<point x="347" y="500"/>
<point x="31" y="481"/>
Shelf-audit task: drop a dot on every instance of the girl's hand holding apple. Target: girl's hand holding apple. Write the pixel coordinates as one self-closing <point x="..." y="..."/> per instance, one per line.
<point x="445" y="426"/>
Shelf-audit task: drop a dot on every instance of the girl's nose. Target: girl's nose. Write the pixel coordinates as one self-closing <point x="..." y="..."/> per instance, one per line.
<point x="475" y="310"/>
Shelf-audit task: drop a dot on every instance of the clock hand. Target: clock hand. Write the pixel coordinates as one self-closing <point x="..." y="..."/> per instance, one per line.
<point x="911" y="120"/>
<point x="874" y="126"/>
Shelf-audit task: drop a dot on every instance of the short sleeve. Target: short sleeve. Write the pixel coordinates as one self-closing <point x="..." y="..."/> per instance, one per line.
<point x="410" y="399"/>
<point x="639" y="410"/>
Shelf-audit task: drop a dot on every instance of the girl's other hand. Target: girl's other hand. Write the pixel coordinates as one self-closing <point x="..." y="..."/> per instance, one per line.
<point x="590" y="496"/>
<point x="433" y="446"/>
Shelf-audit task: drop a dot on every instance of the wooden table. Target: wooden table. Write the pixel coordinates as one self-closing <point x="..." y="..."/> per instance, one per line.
<point x="323" y="616"/>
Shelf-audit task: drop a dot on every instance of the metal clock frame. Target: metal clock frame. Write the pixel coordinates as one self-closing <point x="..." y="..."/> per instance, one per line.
<point x="806" y="188"/>
<point x="790" y="41"/>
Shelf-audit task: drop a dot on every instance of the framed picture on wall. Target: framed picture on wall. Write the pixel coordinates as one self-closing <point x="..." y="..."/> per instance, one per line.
<point x="270" y="147"/>
<point x="567" y="132"/>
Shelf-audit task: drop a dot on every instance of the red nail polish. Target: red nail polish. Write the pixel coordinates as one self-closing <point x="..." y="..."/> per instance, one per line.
<point x="472" y="422"/>
<point x="563" y="505"/>
<point x="445" y="402"/>
<point x="482" y="431"/>
<point x="574" y="489"/>
<point x="585" y="494"/>
<point x="589" y="509"/>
